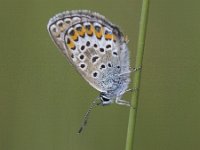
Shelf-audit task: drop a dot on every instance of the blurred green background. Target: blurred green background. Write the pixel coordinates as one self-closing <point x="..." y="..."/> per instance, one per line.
<point x="43" y="99"/>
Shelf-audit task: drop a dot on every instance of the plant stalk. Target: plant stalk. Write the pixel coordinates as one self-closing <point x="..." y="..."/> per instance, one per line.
<point x="137" y="77"/>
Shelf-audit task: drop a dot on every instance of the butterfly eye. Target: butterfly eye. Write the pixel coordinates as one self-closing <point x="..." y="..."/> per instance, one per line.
<point x="105" y="99"/>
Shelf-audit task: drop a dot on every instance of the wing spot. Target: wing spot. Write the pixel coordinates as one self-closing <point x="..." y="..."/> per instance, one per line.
<point x="68" y="41"/>
<point x="109" y="65"/>
<point x="73" y="48"/>
<point x="106" y="32"/>
<point x="82" y="47"/>
<point x="115" y="53"/>
<point x="76" y="39"/>
<point x="97" y="28"/>
<point x="95" y="74"/>
<point x="88" y="27"/>
<point x="108" y="35"/>
<point x="81" y="57"/>
<point x="101" y="50"/>
<point x="81" y="31"/>
<point x="95" y="45"/>
<point x="94" y="59"/>
<point x="88" y="43"/>
<point x="108" y="46"/>
<point x="82" y="66"/>
<point x="102" y="66"/>
<point x="71" y="33"/>
<point x="98" y="31"/>
<point x="76" y="19"/>
<point x="60" y="24"/>
<point x="114" y="38"/>
<point x="79" y="28"/>
<point x="53" y="28"/>
<point x="70" y="44"/>
<point x="67" y="21"/>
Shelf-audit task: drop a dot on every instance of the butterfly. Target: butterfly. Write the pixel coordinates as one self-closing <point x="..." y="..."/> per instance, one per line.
<point x="98" y="51"/>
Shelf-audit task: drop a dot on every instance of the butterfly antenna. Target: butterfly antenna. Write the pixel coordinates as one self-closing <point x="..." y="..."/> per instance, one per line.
<point x="85" y="119"/>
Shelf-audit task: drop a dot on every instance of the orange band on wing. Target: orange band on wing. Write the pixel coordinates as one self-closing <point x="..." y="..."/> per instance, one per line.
<point x="89" y="29"/>
<point x="99" y="32"/>
<point x="70" y="44"/>
<point x="74" y="35"/>
<point x="108" y="36"/>
<point x="81" y="31"/>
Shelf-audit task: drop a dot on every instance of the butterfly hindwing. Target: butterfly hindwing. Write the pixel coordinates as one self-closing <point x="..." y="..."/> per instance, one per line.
<point x="94" y="46"/>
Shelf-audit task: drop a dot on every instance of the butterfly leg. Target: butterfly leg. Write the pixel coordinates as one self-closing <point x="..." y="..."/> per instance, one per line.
<point x="122" y="102"/>
<point x="131" y="90"/>
<point x="135" y="69"/>
<point x="132" y="70"/>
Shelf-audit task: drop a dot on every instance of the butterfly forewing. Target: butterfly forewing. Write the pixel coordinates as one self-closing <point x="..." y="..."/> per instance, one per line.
<point x="95" y="47"/>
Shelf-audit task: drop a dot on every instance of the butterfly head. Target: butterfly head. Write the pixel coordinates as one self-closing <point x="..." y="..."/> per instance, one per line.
<point x="105" y="98"/>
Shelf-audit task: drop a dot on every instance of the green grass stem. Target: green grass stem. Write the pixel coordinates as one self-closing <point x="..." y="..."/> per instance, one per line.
<point x="137" y="77"/>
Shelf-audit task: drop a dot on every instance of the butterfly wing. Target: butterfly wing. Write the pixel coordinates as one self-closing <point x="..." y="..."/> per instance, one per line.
<point x="92" y="44"/>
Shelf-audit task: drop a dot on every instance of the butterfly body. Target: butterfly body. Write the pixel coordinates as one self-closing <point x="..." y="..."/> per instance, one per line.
<point x="96" y="48"/>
